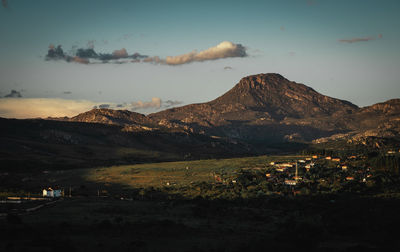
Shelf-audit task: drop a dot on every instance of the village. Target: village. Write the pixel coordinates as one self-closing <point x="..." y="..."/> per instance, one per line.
<point x="311" y="175"/>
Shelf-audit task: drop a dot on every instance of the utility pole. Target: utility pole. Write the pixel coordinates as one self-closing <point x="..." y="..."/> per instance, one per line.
<point x="297" y="173"/>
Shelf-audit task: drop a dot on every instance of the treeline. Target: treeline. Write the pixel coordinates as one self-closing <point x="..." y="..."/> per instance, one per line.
<point x="388" y="163"/>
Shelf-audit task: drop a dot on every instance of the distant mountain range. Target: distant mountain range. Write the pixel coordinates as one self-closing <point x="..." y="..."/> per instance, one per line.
<point x="261" y="114"/>
<point x="265" y="109"/>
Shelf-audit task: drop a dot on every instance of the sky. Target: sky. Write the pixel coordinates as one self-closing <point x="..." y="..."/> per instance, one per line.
<point x="61" y="58"/>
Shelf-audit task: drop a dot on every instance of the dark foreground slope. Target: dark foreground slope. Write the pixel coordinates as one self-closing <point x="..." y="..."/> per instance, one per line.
<point x="47" y="144"/>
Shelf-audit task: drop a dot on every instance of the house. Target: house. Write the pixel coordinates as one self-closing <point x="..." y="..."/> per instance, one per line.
<point x="52" y="193"/>
<point x="286" y="165"/>
<point x="280" y="169"/>
<point x="290" y="182"/>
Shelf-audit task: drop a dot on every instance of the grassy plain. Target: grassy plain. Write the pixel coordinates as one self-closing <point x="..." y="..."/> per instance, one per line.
<point x="125" y="177"/>
<point x="177" y="173"/>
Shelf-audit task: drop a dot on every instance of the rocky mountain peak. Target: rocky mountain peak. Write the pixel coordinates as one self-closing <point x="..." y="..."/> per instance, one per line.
<point x="280" y="97"/>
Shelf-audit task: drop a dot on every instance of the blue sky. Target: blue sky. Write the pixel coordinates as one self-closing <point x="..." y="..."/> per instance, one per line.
<point x="307" y="41"/>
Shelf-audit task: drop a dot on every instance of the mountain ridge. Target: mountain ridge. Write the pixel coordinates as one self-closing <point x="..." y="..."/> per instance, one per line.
<point x="261" y="114"/>
<point x="261" y="107"/>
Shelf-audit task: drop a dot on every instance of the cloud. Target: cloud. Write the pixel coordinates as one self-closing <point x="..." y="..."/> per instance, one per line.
<point x="154" y="103"/>
<point x="89" y="55"/>
<point x="120" y="53"/>
<point x="67" y="92"/>
<point x="104" y="106"/>
<point x="55" y="53"/>
<point x="4" y="3"/>
<point x="86" y="53"/>
<point x="355" y="40"/>
<point x="154" y="59"/>
<point x="13" y="94"/>
<point x="170" y="103"/>
<point x="78" y="60"/>
<point x="224" y="49"/>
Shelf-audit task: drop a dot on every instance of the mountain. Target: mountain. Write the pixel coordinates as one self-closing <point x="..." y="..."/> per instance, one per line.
<point x="268" y="96"/>
<point x="263" y="113"/>
<point x="109" y="116"/>
<point x="264" y="110"/>
<point x="376" y="126"/>
<point x="261" y="107"/>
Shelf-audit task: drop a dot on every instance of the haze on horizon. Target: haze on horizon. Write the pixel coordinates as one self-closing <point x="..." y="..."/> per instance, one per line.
<point x="146" y="56"/>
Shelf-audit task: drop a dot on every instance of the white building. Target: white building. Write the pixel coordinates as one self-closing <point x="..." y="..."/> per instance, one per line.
<point x="290" y="182"/>
<point x="53" y="193"/>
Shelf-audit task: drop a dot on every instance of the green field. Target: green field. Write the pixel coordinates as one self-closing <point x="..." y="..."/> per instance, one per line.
<point x="177" y="173"/>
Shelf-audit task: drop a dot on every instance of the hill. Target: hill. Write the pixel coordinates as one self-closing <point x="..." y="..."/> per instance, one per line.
<point x="264" y="113"/>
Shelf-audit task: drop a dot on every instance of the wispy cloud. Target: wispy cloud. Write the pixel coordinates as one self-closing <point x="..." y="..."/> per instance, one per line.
<point x="355" y="40"/>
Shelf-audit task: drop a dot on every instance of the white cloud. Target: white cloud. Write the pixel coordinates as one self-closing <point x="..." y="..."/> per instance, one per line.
<point x="224" y="49"/>
<point x="154" y="103"/>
